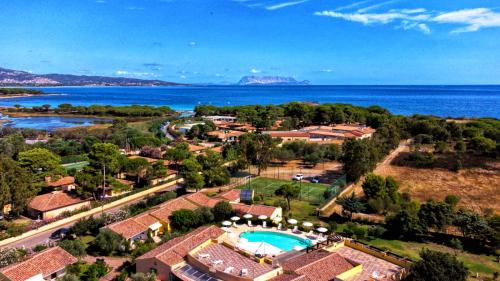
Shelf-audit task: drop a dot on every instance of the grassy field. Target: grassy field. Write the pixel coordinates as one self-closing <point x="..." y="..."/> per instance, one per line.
<point x="482" y="264"/>
<point x="302" y="209"/>
<point x="142" y="126"/>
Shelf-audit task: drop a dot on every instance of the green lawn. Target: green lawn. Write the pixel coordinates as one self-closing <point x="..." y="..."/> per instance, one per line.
<point x="302" y="209"/>
<point x="482" y="264"/>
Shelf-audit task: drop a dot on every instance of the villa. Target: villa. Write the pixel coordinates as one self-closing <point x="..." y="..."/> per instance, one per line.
<point x="48" y="265"/>
<point x="220" y="118"/>
<point x="54" y="204"/>
<point x="65" y="183"/>
<point x="137" y="227"/>
<point x="225" y="135"/>
<point x="339" y="132"/>
<point x="288" y="136"/>
<point x="245" y="254"/>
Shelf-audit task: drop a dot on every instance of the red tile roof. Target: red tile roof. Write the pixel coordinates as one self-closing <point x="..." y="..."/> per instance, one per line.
<point x="318" y="265"/>
<point x="255" y="210"/>
<point x="62" y="181"/>
<point x="331" y="134"/>
<point x="199" y="198"/>
<point x="166" y="209"/>
<point x="288" y="134"/>
<point x="231" y="195"/>
<point x="133" y="226"/>
<point x="53" y="200"/>
<point x="45" y="263"/>
<point x="175" y="250"/>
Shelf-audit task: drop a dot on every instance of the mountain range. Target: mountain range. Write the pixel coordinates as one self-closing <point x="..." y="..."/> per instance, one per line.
<point x="270" y="80"/>
<point x="10" y="77"/>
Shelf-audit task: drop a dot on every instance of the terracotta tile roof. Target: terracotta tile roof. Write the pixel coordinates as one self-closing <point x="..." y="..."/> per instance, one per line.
<point x="231" y="195"/>
<point x="289" y="277"/>
<point x="255" y="210"/>
<point x="62" y="181"/>
<point x="317" y="127"/>
<point x="128" y="228"/>
<point x="195" y="148"/>
<point x="331" y="134"/>
<point x="53" y="200"/>
<point x="166" y="209"/>
<point x="150" y="160"/>
<point x="199" y="198"/>
<point x="224" y="134"/>
<point x="175" y="250"/>
<point x="318" y="265"/>
<point x="288" y="134"/>
<point x="45" y="262"/>
<point x="234" y="259"/>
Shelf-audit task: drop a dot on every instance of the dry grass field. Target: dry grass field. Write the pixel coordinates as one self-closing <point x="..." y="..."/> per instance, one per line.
<point x="478" y="184"/>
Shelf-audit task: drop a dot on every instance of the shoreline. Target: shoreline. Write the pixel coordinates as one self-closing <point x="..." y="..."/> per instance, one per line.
<point x="17" y="96"/>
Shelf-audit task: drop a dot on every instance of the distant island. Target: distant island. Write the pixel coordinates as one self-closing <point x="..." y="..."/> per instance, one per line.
<point x="270" y="80"/>
<point x="18" y="92"/>
<point x="9" y="77"/>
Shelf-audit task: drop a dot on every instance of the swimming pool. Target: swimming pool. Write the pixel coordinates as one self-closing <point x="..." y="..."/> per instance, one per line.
<point x="285" y="242"/>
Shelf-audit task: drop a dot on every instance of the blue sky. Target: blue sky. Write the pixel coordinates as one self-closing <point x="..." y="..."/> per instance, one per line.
<point x="324" y="41"/>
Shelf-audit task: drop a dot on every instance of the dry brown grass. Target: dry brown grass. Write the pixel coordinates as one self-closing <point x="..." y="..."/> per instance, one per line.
<point x="478" y="187"/>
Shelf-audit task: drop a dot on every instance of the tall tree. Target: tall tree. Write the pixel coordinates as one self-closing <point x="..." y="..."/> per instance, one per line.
<point x="16" y="186"/>
<point x="41" y="163"/>
<point x="357" y="159"/>
<point x="350" y="205"/>
<point x="437" y="266"/>
<point x="257" y="149"/>
<point x="289" y="192"/>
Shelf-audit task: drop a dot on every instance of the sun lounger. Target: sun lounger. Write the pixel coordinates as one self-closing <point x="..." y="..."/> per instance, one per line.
<point x="204" y="255"/>
<point x="296" y="229"/>
<point x="244" y="272"/>
<point x="250" y="223"/>
<point x="229" y="269"/>
<point x="264" y="224"/>
<point x="280" y="226"/>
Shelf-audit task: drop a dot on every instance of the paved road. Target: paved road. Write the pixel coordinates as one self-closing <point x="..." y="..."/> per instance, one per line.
<point x="44" y="237"/>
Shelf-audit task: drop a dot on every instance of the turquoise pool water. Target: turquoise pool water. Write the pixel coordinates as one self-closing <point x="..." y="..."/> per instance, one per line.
<point x="283" y="241"/>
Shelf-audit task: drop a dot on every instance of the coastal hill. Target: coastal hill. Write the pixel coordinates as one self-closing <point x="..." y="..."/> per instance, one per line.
<point x="270" y="80"/>
<point x="9" y="77"/>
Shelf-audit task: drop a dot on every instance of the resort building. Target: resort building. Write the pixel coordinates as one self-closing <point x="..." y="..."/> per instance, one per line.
<point x="231" y="196"/>
<point x="288" y="136"/>
<point x="220" y="118"/>
<point x="213" y="253"/>
<point x="200" y="199"/>
<point x="138" y="227"/>
<point x="165" y="210"/>
<point x="339" y="132"/>
<point x="48" y="265"/>
<point x="65" y="183"/>
<point x="186" y="127"/>
<point x="225" y="135"/>
<point x="54" y="204"/>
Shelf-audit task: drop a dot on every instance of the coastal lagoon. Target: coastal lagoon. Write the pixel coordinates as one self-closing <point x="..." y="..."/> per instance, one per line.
<point x="443" y="101"/>
<point x="49" y="123"/>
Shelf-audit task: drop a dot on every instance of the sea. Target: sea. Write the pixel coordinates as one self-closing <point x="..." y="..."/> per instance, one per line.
<point x="443" y="101"/>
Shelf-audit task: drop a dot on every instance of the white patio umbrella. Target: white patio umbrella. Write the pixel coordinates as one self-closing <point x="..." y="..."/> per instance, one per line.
<point x="292" y="221"/>
<point x="277" y="219"/>
<point x="321" y="229"/>
<point x="226" y="223"/>
<point x="307" y="224"/>
<point x="262" y="217"/>
<point x="235" y="219"/>
<point x="248" y="216"/>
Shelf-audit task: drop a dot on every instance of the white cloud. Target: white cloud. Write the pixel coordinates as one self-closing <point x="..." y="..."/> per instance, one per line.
<point x="121" y="72"/>
<point x="100" y="1"/>
<point x="183" y="76"/>
<point x="408" y="25"/>
<point x="326" y="70"/>
<point x="134" y="8"/>
<point x="255" y="71"/>
<point x="373" y="18"/>
<point x="192" y="43"/>
<point x="353" y="5"/>
<point x="474" y="19"/>
<point x="285" y="4"/>
<point x="419" y="18"/>
<point x="376" y="6"/>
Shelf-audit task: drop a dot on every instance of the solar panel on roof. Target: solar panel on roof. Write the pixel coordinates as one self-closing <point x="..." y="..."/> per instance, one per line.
<point x="246" y="195"/>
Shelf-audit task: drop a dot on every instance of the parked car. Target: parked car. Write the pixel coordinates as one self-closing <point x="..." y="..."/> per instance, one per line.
<point x="59" y="234"/>
<point x="298" y="177"/>
<point x="315" y="179"/>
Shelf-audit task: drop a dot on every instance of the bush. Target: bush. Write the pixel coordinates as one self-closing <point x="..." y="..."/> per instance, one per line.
<point x="377" y="231"/>
<point x="184" y="219"/>
<point x="75" y="247"/>
<point x="107" y="242"/>
<point x="39" y="247"/>
<point x="222" y="210"/>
